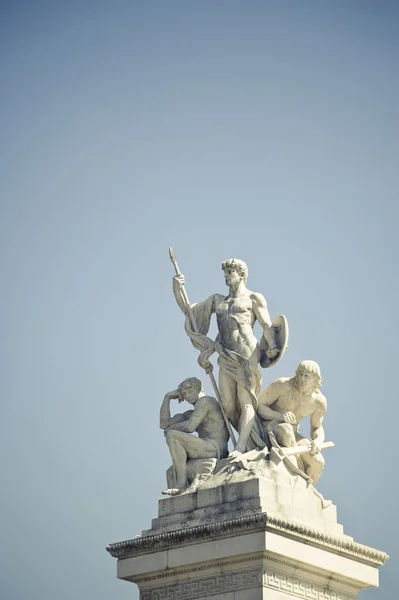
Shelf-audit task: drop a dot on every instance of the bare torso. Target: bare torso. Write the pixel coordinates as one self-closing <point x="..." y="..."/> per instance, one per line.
<point x="235" y="319"/>
<point x="239" y="379"/>
<point x="290" y="399"/>
<point x="212" y="427"/>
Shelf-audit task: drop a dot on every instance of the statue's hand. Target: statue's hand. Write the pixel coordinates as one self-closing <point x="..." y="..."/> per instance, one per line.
<point x="289" y="417"/>
<point x="206" y="365"/>
<point x="174" y="395"/>
<point x="314" y="447"/>
<point x="272" y="352"/>
<point x="179" y="279"/>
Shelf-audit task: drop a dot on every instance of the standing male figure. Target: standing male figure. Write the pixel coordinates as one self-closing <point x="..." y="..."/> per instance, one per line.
<point x="236" y="344"/>
<point x="206" y="419"/>
<point x="286" y="402"/>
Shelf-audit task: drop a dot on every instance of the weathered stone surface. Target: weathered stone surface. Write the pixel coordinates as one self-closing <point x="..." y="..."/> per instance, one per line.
<point x="250" y="525"/>
<point x="253" y="557"/>
<point x="284" y="404"/>
<point x="194" y="456"/>
<point x="236" y="344"/>
<point x="235" y="492"/>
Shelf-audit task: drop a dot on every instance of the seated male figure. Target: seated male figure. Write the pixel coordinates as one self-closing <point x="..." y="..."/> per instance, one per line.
<point x="205" y="419"/>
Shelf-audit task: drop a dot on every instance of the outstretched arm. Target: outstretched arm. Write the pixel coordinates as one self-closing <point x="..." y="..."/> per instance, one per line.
<point x="259" y="307"/>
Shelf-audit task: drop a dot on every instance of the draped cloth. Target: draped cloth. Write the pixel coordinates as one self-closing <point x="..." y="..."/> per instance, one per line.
<point x="243" y="370"/>
<point x="202" y="313"/>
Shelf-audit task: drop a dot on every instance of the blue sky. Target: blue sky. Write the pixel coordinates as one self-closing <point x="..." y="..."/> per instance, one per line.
<point x="262" y="130"/>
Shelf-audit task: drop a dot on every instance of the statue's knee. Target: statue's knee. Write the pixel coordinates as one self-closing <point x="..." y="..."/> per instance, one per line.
<point x="171" y="435"/>
<point x="314" y="471"/>
<point x="319" y="460"/>
<point x="285" y="434"/>
<point x="315" y="465"/>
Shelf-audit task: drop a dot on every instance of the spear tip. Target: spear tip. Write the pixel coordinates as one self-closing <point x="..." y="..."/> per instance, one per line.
<point x="172" y="254"/>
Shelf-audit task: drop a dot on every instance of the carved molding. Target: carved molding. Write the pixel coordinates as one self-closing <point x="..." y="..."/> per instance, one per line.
<point x="205" y="587"/>
<point x="306" y="572"/>
<point x="300" y="589"/>
<point x="172" y="539"/>
<point x="240" y="526"/>
<point x="173" y="573"/>
<point x="241" y="580"/>
<point x="327" y="541"/>
<point x="197" y="568"/>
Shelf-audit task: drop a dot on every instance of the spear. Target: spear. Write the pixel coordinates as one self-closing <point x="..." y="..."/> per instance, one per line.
<point x="195" y="328"/>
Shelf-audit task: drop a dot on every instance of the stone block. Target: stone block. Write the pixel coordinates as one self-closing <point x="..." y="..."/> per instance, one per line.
<point x="177" y="504"/>
<point x="147" y="563"/>
<point x="247" y="540"/>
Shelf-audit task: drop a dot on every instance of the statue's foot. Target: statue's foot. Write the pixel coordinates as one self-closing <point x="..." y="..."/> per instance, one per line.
<point x="193" y="486"/>
<point x="173" y="491"/>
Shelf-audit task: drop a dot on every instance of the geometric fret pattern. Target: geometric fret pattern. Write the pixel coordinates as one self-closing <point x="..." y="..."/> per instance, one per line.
<point x="229" y="582"/>
<point x="300" y="589"/>
<point x="208" y="586"/>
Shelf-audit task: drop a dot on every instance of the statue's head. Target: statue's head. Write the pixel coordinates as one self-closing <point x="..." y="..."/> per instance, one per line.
<point x="233" y="266"/>
<point x="190" y="389"/>
<point x="308" y="376"/>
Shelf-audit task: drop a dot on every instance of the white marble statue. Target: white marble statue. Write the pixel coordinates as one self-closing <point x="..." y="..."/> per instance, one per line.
<point x="206" y="419"/>
<point x="236" y="344"/>
<point x="285" y="403"/>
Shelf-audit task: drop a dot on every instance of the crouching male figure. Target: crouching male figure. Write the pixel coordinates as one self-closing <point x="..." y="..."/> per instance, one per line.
<point x="286" y="402"/>
<point x="206" y="419"/>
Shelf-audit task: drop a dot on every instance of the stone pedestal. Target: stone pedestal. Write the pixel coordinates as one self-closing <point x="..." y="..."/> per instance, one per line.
<point x="249" y="539"/>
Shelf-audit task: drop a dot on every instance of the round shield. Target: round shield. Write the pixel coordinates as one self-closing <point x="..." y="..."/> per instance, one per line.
<point x="280" y="326"/>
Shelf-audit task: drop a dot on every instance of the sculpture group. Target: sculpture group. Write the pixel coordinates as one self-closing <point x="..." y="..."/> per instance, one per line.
<point x="267" y="422"/>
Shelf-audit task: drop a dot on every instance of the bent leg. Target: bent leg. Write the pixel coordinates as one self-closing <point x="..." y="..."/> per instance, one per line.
<point x="314" y="465"/>
<point x="285" y="435"/>
<point x="179" y="460"/>
<point x="195" y="447"/>
<point x="182" y="446"/>
<point x="301" y="440"/>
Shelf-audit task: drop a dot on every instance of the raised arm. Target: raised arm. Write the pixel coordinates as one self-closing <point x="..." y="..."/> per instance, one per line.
<point x="178" y="283"/>
<point x="261" y="313"/>
<point x="164" y="415"/>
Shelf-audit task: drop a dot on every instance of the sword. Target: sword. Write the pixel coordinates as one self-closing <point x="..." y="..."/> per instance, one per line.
<point x="305" y="448"/>
<point x="291" y="451"/>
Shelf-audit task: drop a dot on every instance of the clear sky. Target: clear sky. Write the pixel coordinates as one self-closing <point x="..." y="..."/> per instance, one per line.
<point x="262" y="130"/>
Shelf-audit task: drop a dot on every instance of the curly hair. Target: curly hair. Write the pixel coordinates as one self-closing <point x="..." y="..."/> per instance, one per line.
<point x="238" y="265"/>
<point x="192" y="382"/>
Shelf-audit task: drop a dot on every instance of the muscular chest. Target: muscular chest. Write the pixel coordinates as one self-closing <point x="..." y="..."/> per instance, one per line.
<point x="234" y="307"/>
<point x="301" y="406"/>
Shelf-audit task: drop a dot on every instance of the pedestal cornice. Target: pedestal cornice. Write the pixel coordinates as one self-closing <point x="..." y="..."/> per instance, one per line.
<point x="243" y="525"/>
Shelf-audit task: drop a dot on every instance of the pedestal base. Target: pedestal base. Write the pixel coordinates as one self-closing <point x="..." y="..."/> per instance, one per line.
<point x="225" y="543"/>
